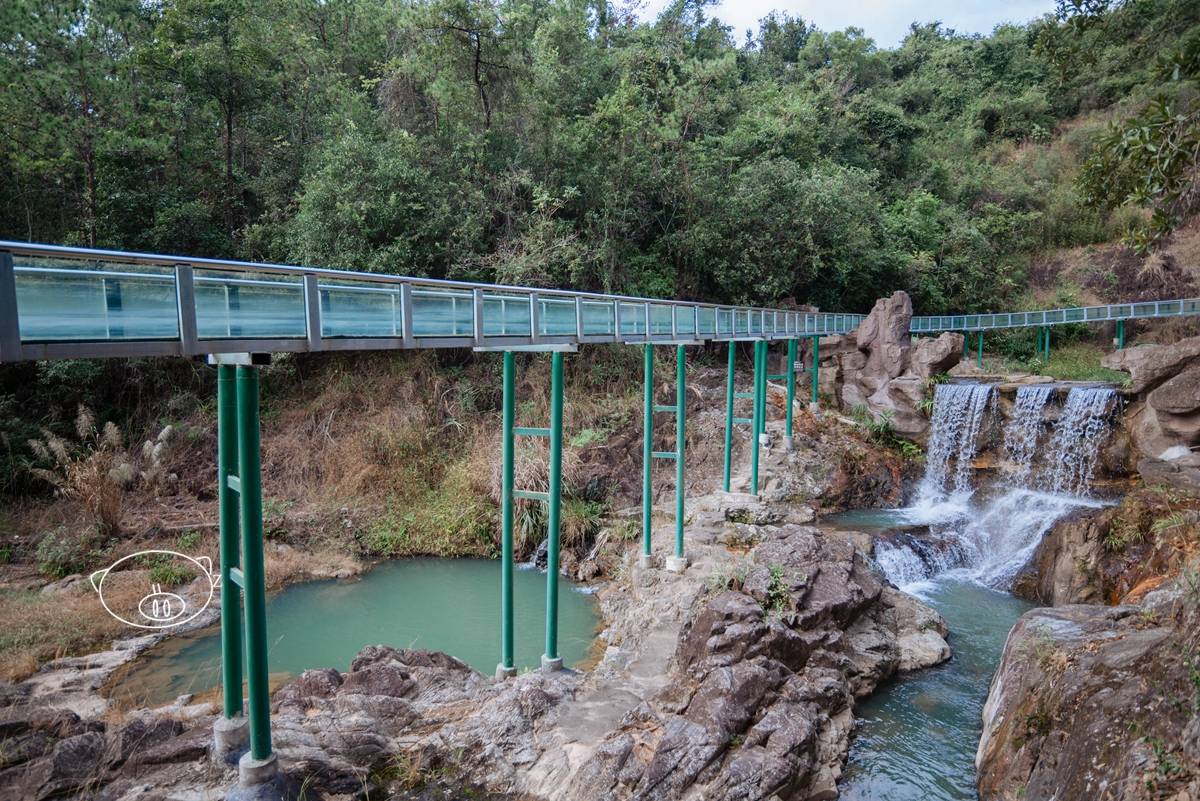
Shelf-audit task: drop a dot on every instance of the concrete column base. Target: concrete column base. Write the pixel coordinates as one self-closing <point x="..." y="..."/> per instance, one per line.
<point x="252" y="772"/>
<point x="503" y="672"/>
<point x="260" y="780"/>
<point x="552" y="664"/>
<point x="231" y="737"/>
<point x="764" y="440"/>
<point x="676" y="564"/>
<point x="646" y="561"/>
<point x="789" y="444"/>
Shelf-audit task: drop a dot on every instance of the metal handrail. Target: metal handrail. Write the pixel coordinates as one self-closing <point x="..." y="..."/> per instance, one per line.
<point x="597" y="317"/>
<point x="1132" y="310"/>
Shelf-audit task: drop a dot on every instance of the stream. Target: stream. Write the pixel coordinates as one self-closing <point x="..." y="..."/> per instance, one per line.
<point x="449" y="605"/>
<point x="958" y="547"/>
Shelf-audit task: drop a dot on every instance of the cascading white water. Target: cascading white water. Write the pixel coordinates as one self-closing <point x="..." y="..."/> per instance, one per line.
<point x="1075" y="447"/>
<point x="1024" y="428"/>
<point x="992" y="541"/>
<point x="958" y="413"/>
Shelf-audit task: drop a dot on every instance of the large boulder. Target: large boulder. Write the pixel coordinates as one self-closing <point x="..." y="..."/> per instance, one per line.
<point x="933" y="355"/>
<point x="1149" y="365"/>
<point x="1093" y="702"/>
<point x="884" y="335"/>
<point x="1178" y="395"/>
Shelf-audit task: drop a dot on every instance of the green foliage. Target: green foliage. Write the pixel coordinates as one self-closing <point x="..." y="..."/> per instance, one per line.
<point x="60" y="553"/>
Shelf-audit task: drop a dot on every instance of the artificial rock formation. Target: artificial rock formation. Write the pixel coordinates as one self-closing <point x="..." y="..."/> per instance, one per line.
<point x="878" y="366"/>
<point x="1163" y="418"/>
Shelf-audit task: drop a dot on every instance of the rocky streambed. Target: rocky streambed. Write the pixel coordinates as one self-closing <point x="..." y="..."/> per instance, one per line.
<point x="736" y="679"/>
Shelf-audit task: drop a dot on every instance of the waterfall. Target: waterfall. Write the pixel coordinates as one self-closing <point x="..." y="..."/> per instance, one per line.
<point x="958" y="414"/>
<point x="989" y="539"/>
<point x="1075" y="447"/>
<point x="1025" y="427"/>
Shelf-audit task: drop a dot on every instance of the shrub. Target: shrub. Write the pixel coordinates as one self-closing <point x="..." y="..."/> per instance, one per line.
<point x="60" y="553"/>
<point x="94" y="474"/>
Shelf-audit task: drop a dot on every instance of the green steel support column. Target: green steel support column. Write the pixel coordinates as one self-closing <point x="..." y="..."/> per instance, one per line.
<point x="1120" y="334"/>
<point x="1047" y="330"/>
<point x="227" y="501"/>
<point x="791" y="391"/>
<point x="507" y="667"/>
<point x="647" y="448"/>
<point x="254" y="589"/>
<point x="551" y="658"/>
<point x="979" y="351"/>
<point x="757" y="427"/>
<point x="729" y="414"/>
<point x="816" y="368"/>
<point x="680" y="443"/>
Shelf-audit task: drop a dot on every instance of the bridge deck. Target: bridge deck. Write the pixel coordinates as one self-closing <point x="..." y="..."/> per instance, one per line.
<point x="62" y="302"/>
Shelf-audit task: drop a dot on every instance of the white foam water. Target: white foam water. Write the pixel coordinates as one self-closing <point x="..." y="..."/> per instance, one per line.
<point x="1075" y="447"/>
<point x="989" y="539"/>
<point x="1024" y="428"/>
<point x="958" y="414"/>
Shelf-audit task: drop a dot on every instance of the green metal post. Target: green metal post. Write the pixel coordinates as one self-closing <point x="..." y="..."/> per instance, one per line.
<point x="760" y="352"/>
<point x="680" y="442"/>
<point x="791" y="389"/>
<point x="254" y="589"/>
<point x="555" y="470"/>
<point x="1120" y="334"/>
<point x="506" y="516"/>
<point x="1047" y="330"/>
<point x="816" y="367"/>
<point x="729" y="415"/>
<point x="647" y="446"/>
<point x="230" y="531"/>
<point x="979" y="351"/>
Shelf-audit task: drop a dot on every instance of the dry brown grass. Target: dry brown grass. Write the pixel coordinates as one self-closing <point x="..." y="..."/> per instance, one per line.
<point x="38" y="628"/>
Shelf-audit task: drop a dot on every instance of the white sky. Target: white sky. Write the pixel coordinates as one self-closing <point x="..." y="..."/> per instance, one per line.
<point x="885" y="21"/>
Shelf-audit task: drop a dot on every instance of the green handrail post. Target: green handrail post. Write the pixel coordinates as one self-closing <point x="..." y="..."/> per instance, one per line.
<point x="551" y="658"/>
<point x="979" y="351"/>
<point x="230" y="534"/>
<point x="816" y="369"/>
<point x="680" y="443"/>
<point x="647" y="449"/>
<point x="507" y="668"/>
<point x="1120" y="334"/>
<point x="788" y="441"/>
<point x="729" y="414"/>
<point x="250" y="492"/>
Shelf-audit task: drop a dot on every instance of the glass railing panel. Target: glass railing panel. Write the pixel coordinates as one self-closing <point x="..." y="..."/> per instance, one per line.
<point x="70" y="299"/>
<point x="660" y="319"/>
<point x="246" y="305"/>
<point x="1055" y="316"/>
<point x="1096" y="312"/>
<point x="706" y="320"/>
<point x="1169" y="307"/>
<point x="597" y="318"/>
<point x="360" y="309"/>
<point x="442" y="313"/>
<point x="685" y="320"/>
<point x="756" y="323"/>
<point x="506" y="316"/>
<point x="557" y="316"/>
<point x="724" y="321"/>
<point x="1143" y="309"/>
<point x="1069" y="315"/>
<point x="633" y="318"/>
<point x="972" y="321"/>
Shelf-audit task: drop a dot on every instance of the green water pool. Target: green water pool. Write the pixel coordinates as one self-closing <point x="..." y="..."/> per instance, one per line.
<point x="450" y="605"/>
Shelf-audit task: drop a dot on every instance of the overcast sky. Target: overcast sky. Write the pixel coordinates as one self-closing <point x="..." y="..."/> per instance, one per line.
<point x="885" y="21"/>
